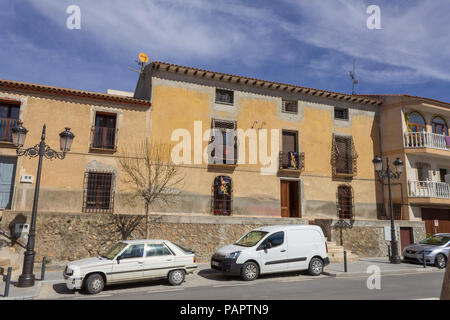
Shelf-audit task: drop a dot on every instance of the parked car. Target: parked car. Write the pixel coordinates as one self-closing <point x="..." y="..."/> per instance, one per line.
<point x="274" y="249"/>
<point x="129" y="261"/>
<point x="436" y="247"/>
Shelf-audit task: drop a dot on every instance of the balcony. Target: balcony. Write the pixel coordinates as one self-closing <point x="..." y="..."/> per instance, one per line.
<point x="427" y="142"/>
<point x="429" y="192"/>
<point x="291" y="162"/>
<point x="103" y="139"/>
<point x="5" y="129"/>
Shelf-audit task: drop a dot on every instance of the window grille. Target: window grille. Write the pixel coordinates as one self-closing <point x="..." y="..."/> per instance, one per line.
<point x="289" y="106"/>
<point x="225" y="146"/>
<point x="345" y="205"/>
<point x="98" y="192"/>
<point x="221" y="196"/>
<point x="397" y="208"/>
<point x="224" y="96"/>
<point x="9" y="116"/>
<point x="341" y="113"/>
<point x="344" y="156"/>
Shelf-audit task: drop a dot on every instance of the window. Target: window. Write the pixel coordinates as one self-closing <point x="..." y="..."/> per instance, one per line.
<point x="221" y="196"/>
<point x="345" y="202"/>
<point x="154" y="250"/>
<point x="98" y="192"/>
<point x="224" y="96"/>
<point x="224" y="142"/>
<point x="397" y="208"/>
<point x="133" y="251"/>
<point x="276" y="239"/>
<point x="442" y="174"/>
<point x="104" y="131"/>
<point x="423" y="171"/>
<point x="341" y="113"/>
<point x="9" y="115"/>
<point x="440" y="126"/>
<point x="344" y="155"/>
<point x="289" y="106"/>
<point x="289" y="156"/>
<point x="415" y="122"/>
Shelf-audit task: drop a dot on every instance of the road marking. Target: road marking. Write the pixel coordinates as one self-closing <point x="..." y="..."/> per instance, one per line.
<point x="435" y="298"/>
<point x="296" y="280"/>
<point x="160" y="291"/>
<point x="230" y="285"/>
<point x="93" y="297"/>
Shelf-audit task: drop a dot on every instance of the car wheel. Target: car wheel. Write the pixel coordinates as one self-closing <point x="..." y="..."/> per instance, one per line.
<point x="176" y="277"/>
<point x="440" y="261"/>
<point x="315" y="266"/>
<point x="250" y="271"/>
<point x="94" y="284"/>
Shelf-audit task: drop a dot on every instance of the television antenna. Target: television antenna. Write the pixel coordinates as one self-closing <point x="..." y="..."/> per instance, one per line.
<point x="353" y="76"/>
<point x="143" y="59"/>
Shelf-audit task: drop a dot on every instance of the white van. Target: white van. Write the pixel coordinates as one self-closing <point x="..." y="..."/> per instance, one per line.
<point x="274" y="249"/>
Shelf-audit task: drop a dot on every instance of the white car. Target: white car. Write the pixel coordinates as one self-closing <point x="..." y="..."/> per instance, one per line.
<point x="129" y="261"/>
<point x="274" y="249"/>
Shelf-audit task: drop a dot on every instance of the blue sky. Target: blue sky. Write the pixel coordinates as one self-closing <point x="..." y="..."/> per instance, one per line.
<point x="303" y="42"/>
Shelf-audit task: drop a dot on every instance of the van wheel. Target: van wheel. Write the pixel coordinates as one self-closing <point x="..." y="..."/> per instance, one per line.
<point x="315" y="266"/>
<point x="94" y="284"/>
<point x="250" y="271"/>
<point x="176" y="277"/>
<point x="440" y="261"/>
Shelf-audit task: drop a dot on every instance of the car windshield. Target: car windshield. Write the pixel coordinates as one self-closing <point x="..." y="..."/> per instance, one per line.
<point x="436" y="240"/>
<point x="114" y="250"/>
<point x="251" y="238"/>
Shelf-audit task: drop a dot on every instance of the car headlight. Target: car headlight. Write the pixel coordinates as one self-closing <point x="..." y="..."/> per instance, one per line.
<point x="68" y="271"/>
<point x="234" y="255"/>
<point x="428" y="252"/>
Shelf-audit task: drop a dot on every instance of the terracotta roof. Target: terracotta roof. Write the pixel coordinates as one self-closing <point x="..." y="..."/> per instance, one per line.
<point x="157" y="65"/>
<point x="31" y="87"/>
<point x="406" y="96"/>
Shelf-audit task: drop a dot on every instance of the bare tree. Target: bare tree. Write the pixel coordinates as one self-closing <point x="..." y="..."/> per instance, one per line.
<point x="153" y="176"/>
<point x="124" y="224"/>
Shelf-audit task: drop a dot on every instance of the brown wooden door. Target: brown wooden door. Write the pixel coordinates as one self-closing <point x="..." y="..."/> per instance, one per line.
<point x="405" y="237"/>
<point x="436" y="220"/>
<point x="285" y="202"/>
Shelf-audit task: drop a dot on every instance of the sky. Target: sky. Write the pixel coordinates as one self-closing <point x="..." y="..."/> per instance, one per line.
<point x="301" y="42"/>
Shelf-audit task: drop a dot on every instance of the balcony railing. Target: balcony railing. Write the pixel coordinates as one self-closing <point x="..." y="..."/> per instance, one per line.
<point x="103" y="138"/>
<point x="5" y="129"/>
<point x="291" y="160"/>
<point x="428" y="189"/>
<point x="426" y="140"/>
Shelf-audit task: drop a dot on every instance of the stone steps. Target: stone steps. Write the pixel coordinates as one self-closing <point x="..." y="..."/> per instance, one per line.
<point x="336" y="253"/>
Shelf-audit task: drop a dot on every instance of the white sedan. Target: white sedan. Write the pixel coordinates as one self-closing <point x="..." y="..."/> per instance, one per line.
<point x="130" y="261"/>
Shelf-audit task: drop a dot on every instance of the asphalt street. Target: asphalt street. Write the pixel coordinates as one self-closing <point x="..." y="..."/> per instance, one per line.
<point x="407" y="286"/>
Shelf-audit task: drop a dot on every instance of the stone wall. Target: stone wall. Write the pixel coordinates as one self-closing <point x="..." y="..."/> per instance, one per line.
<point x="366" y="237"/>
<point x="69" y="236"/>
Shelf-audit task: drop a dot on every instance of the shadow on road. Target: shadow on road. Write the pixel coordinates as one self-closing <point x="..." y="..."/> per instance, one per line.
<point x="212" y="274"/>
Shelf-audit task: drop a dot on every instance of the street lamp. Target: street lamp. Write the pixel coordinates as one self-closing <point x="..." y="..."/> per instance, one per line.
<point x="19" y="133"/>
<point x="398" y="164"/>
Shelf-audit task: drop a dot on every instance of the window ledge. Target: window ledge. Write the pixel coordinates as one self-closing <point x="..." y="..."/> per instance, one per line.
<point x="6" y="144"/>
<point x="102" y="150"/>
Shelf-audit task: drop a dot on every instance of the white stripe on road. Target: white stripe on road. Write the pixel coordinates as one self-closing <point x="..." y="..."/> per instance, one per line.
<point x="231" y="285"/>
<point x="428" y="299"/>
<point x="296" y="280"/>
<point x="93" y="296"/>
<point x="159" y="291"/>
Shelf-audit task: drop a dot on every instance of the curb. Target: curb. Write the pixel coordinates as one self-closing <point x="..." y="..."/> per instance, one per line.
<point x="29" y="297"/>
<point x="383" y="273"/>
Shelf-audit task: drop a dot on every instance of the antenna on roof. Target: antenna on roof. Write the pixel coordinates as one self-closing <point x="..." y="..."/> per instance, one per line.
<point x="353" y="76"/>
<point x="143" y="59"/>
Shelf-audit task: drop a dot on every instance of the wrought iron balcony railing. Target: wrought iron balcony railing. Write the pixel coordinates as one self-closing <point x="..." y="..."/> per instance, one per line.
<point x="289" y="160"/>
<point x="5" y="129"/>
<point x="103" y="138"/>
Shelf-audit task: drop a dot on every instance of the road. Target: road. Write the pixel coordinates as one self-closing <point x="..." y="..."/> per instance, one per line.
<point x="276" y="287"/>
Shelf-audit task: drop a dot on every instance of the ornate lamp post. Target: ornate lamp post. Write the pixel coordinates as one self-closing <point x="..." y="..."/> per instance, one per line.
<point x="378" y="163"/>
<point x="19" y="133"/>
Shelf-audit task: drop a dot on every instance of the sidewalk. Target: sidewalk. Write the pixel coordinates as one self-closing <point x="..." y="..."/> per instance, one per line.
<point x="54" y="279"/>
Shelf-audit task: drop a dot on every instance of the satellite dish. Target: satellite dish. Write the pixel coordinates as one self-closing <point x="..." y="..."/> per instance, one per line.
<point x="143" y="57"/>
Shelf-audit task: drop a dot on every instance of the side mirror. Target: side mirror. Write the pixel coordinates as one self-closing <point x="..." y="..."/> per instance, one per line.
<point x="268" y="245"/>
<point x="118" y="259"/>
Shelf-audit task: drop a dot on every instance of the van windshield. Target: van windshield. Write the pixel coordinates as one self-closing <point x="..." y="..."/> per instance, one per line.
<point x="251" y="238"/>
